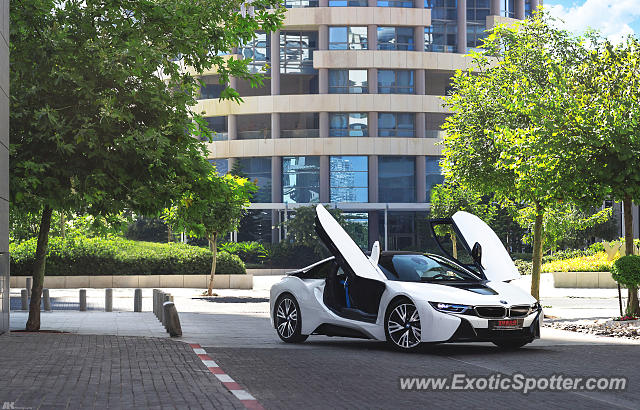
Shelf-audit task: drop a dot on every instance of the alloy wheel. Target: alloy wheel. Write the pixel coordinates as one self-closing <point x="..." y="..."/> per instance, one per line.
<point x="403" y="326"/>
<point x="286" y="318"/>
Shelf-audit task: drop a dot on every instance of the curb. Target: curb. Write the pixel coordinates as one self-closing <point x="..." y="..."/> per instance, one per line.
<point x="244" y="396"/>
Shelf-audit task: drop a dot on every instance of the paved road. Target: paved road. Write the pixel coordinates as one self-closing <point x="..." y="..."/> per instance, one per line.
<point x="66" y="371"/>
<point x="366" y="374"/>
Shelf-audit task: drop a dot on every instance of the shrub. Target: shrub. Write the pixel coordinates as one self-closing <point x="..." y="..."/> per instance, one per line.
<point x="117" y="256"/>
<point x="524" y="267"/>
<point x="626" y="270"/>
<point x="249" y="252"/>
<point x="592" y="263"/>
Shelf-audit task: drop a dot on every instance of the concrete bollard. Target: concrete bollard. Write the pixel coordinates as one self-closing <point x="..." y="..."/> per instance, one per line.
<point x="108" y="300"/>
<point x="165" y="298"/>
<point x="24" y="299"/>
<point x="153" y="303"/>
<point x="172" y="320"/>
<point x="29" y="285"/>
<point x="83" y="300"/>
<point x="46" y="300"/>
<point x="137" y="300"/>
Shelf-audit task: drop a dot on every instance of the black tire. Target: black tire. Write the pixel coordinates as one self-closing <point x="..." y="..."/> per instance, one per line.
<point x="511" y="344"/>
<point x="288" y="320"/>
<point x="402" y="325"/>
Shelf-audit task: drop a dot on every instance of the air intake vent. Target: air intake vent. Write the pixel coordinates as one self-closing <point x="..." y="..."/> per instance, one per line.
<point x="491" y="312"/>
<point x="519" y="311"/>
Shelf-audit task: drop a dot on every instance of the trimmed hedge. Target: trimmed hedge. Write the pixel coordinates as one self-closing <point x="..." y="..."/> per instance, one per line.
<point x="626" y="270"/>
<point x="593" y="263"/>
<point x="116" y="256"/>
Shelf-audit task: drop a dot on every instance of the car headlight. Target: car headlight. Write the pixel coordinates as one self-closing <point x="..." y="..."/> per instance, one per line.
<point x="450" y="307"/>
<point x="535" y="307"/>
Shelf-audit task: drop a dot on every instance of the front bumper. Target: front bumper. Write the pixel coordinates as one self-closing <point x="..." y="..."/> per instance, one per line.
<point x="467" y="333"/>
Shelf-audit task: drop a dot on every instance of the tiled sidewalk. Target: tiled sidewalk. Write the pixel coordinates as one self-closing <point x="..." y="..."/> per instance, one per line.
<point x="72" y="371"/>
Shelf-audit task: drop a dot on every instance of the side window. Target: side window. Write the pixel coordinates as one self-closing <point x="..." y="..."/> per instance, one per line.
<point x="452" y="243"/>
<point x="320" y="271"/>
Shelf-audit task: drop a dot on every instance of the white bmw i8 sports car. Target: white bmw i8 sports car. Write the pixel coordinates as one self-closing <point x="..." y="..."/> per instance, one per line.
<point x="460" y="292"/>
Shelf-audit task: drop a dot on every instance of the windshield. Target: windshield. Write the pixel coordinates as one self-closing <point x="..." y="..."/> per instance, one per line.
<point x="423" y="268"/>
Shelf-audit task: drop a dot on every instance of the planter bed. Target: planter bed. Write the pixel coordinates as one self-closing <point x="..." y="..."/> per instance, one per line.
<point x="141" y="281"/>
<point x="593" y="280"/>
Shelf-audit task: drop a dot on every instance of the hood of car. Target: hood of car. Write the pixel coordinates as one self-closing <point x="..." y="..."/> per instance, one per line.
<point x="496" y="263"/>
<point x="434" y="292"/>
<point x="347" y="252"/>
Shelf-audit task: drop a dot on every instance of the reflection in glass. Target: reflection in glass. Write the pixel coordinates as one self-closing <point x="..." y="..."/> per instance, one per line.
<point x="348" y="179"/>
<point x="253" y="126"/>
<point x="257" y="169"/>
<point x="442" y="36"/>
<point x="353" y="124"/>
<point x="218" y="127"/>
<point x="222" y="165"/>
<point x="299" y="125"/>
<point x="392" y="124"/>
<point x="258" y="50"/>
<point x="395" y="81"/>
<point x="395" y="38"/>
<point x="348" y="82"/>
<point x="300" y="3"/>
<point x="348" y="3"/>
<point x="301" y="179"/>
<point x="395" y="3"/>
<point x="434" y="174"/>
<point x="348" y="38"/>
<point x="296" y="51"/>
<point x="397" y="179"/>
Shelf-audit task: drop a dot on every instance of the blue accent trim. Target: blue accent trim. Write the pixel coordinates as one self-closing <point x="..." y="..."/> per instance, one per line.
<point x="346" y="292"/>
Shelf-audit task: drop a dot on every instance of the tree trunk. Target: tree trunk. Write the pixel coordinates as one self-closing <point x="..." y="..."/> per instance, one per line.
<point x="33" y="323"/>
<point x="537" y="253"/>
<point x="633" y="308"/>
<point x="63" y="231"/>
<point x="454" y="245"/>
<point x="169" y="233"/>
<point x="213" y="246"/>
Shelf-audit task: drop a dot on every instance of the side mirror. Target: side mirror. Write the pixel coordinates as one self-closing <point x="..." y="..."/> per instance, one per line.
<point x="375" y="253"/>
<point x="476" y="254"/>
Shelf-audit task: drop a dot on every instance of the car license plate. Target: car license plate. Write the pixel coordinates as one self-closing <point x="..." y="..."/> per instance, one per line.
<point x="506" y="324"/>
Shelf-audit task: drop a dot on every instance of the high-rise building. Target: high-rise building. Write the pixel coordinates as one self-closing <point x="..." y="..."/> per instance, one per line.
<point x="4" y="166"/>
<point x="351" y="111"/>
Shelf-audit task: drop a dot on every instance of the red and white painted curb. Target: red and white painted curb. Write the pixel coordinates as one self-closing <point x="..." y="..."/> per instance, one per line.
<point x="244" y="396"/>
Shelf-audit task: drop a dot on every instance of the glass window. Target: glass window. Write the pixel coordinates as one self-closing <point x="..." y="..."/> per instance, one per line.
<point x="300" y="179"/>
<point x="392" y="124"/>
<point x="475" y="35"/>
<point x="218" y="127"/>
<point x="395" y="38"/>
<point x="291" y="84"/>
<point x="434" y="123"/>
<point x="257" y="50"/>
<point x="348" y="3"/>
<point x="442" y="9"/>
<point x="348" y="38"/>
<point x="253" y="126"/>
<point x="256" y="226"/>
<point x="222" y="165"/>
<point x="352" y="124"/>
<point x="508" y="8"/>
<point x="348" y="179"/>
<point x="527" y="8"/>
<point x="434" y="174"/>
<point x="299" y="125"/>
<point x="348" y="82"/>
<point x="395" y="82"/>
<point x="397" y="179"/>
<point x="210" y="91"/>
<point x="395" y="3"/>
<point x="478" y="10"/>
<point x="300" y="3"/>
<point x="441" y="37"/>
<point x="296" y="51"/>
<point x="257" y="169"/>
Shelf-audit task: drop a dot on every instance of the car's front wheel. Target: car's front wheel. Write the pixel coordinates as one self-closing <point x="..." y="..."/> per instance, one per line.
<point x="402" y="325"/>
<point x="511" y="344"/>
<point x="288" y="320"/>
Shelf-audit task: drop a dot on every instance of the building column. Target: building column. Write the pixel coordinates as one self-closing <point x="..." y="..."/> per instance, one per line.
<point x="372" y="36"/>
<point x="232" y="129"/>
<point x="323" y="126"/>
<point x="372" y="123"/>
<point x="323" y="3"/>
<point x="325" y="194"/>
<point x="275" y="125"/>
<point x="534" y="5"/>
<point x="323" y="73"/>
<point x="276" y="196"/>
<point x="495" y="8"/>
<point x="462" y="26"/>
<point x="373" y="197"/>
<point x="421" y="178"/>
<point x="421" y="118"/>
<point x="274" y="62"/>
<point x="520" y="9"/>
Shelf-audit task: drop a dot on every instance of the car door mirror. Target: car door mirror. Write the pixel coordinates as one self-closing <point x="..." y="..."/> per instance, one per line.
<point x="476" y="254"/>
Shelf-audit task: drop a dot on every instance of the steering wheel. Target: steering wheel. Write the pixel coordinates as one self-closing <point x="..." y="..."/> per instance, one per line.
<point x="441" y="276"/>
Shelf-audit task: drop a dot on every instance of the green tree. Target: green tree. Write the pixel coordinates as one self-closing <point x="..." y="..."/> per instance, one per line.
<point x="100" y="110"/>
<point x="509" y="135"/>
<point x="212" y="208"/>
<point x="610" y="123"/>
<point x="301" y="228"/>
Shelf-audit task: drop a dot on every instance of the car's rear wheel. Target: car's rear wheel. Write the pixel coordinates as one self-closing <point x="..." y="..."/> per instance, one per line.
<point x="511" y="344"/>
<point x="288" y="320"/>
<point x="402" y="326"/>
